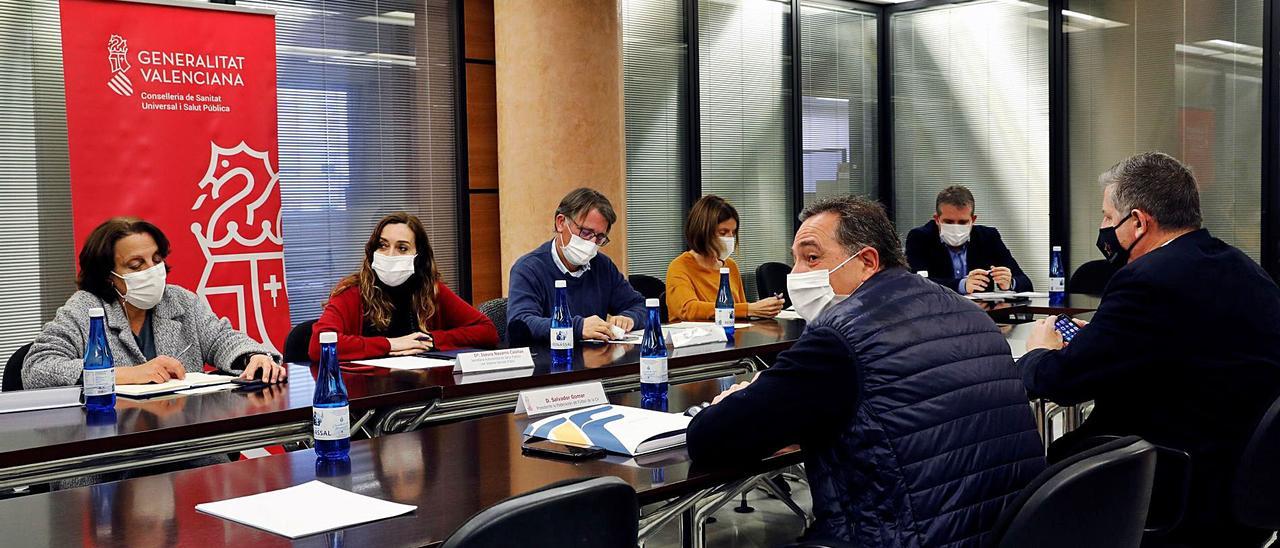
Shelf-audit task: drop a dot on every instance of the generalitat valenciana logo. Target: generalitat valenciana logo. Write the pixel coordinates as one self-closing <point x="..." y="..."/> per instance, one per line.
<point x="118" y="56"/>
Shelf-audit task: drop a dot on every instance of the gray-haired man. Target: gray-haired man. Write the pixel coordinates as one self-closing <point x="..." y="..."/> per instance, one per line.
<point x="1184" y="349"/>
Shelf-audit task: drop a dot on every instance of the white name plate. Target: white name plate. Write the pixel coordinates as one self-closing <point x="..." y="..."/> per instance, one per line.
<point x="494" y="360"/>
<point x="45" y="398"/>
<point x="559" y="399"/>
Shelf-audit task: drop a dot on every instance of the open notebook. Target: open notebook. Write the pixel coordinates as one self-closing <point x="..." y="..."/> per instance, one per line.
<point x="624" y="430"/>
<point x="192" y="380"/>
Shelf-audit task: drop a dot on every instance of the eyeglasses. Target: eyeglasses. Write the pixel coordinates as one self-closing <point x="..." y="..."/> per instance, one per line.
<point x="601" y="239"/>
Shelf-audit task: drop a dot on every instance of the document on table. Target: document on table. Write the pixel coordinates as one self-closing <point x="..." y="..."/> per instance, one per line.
<point x="991" y="295"/>
<point x="190" y="380"/>
<point x="692" y="325"/>
<point x="307" y="509"/>
<point x="406" y="362"/>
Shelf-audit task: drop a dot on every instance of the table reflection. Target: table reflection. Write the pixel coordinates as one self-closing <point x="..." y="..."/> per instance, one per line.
<point x="134" y="513"/>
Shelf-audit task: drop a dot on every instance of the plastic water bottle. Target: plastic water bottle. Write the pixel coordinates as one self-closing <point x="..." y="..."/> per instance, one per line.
<point x="653" y="361"/>
<point x="99" y="366"/>
<point x="330" y="414"/>
<point x="724" y="305"/>
<point x="561" y="328"/>
<point x="1057" y="278"/>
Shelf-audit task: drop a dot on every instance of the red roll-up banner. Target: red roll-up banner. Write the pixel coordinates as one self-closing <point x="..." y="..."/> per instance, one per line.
<point x="171" y="117"/>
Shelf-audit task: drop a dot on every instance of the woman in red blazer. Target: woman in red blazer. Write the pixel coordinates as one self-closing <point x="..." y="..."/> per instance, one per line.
<point x="396" y="305"/>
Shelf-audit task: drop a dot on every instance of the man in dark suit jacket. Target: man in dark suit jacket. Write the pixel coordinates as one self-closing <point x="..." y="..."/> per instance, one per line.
<point x="1184" y="349"/>
<point x="958" y="253"/>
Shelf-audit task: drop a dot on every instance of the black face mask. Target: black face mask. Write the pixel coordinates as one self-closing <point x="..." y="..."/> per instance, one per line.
<point x="1115" y="254"/>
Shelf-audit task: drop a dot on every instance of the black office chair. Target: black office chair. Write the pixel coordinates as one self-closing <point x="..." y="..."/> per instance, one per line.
<point x="575" y="513"/>
<point x="13" y="369"/>
<point x="297" y="346"/>
<point x="651" y="288"/>
<point x="771" y="279"/>
<point x="496" y="310"/>
<point x="1255" y="493"/>
<point x="1170" y="490"/>
<point x="1091" y="278"/>
<point x="1096" y="498"/>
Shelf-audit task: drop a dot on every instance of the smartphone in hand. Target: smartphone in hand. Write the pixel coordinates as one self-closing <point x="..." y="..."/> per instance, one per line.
<point x="1066" y="327"/>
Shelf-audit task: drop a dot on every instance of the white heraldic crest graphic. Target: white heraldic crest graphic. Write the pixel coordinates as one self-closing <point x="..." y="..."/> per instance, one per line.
<point x="242" y="233"/>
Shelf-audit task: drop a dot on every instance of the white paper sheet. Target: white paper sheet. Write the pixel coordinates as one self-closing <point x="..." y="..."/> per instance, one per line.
<point x="307" y="509"/>
<point x="788" y="315"/>
<point x="190" y="380"/>
<point x="693" y="325"/>
<point x="990" y="295"/>
<point x="206" y="389"/>
<point x="406" y="362"/>
<point x="1032" y="295"/>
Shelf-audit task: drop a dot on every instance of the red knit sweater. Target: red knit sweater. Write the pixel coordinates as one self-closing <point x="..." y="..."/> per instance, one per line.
<point x="455" y="324"/>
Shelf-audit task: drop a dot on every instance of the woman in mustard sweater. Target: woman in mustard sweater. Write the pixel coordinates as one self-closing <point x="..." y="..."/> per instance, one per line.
<point x="693" y="278"/>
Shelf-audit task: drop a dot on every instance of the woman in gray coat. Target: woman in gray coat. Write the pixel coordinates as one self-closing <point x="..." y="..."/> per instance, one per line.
<point x="156" y="331"/>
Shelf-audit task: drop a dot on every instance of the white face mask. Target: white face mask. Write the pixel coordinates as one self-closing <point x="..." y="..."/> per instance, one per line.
<point x="727" y="245"/>
<point x="811" y="291"/>
<point x="144" y="289"/>
<point x="955" y="235"/>
<point x="393" y="271"/>
<point x="579" y="251"/>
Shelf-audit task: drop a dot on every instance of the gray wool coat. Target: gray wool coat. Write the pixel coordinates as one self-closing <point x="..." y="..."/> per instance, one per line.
<point x="183" y="326"/>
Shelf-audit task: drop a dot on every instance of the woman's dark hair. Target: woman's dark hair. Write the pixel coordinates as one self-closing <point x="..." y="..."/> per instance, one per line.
<point x="98" y="256"/>
<point x="705" y="215"/>
<point x="377" y="305"/>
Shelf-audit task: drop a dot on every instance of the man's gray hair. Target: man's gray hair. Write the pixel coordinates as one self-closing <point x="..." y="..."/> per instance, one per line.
<point x="955" y="195"/>
<point x="1157" y="184"/>
<point x="863" y="223"/>
<point x="581" y="201"/>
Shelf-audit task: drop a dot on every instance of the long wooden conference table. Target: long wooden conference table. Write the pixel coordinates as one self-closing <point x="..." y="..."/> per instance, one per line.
<point x="50" y="445"/>
<point x="449" y="472"/>
<point x="451" y="469"/>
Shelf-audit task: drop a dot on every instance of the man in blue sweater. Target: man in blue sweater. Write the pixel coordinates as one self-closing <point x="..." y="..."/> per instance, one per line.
<point x="600" y="298"/>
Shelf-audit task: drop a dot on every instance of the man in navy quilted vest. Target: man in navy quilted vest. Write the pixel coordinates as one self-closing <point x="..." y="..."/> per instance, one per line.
<point x="915" y="426"/>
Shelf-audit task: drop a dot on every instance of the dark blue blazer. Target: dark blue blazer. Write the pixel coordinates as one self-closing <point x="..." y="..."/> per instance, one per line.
<point x="1183" y="351"/>
<point x="925" y="251"/>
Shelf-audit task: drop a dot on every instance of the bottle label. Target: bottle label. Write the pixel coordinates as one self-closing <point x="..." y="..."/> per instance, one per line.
<point x="331" y="423"/>
<point x="1057" y="284"/>
<point x="561" y="338"/>
<point x="99" y="382"/>
<point x="724" y="317"/>
<point x="653" y="370"/>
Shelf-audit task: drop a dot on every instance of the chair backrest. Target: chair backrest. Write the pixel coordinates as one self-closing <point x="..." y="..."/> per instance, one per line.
<point x="771" y="279"/>
<point x="1256" y="489"/>
<point x="297" y="346"/>
<point x="579" y="513"/>
<point x="1091" y="278"/>
<point x="1095" y="498"/>
<point x="496" y="310"/>
<point x="651" y="288"/>
<point x="13" y="369"/>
